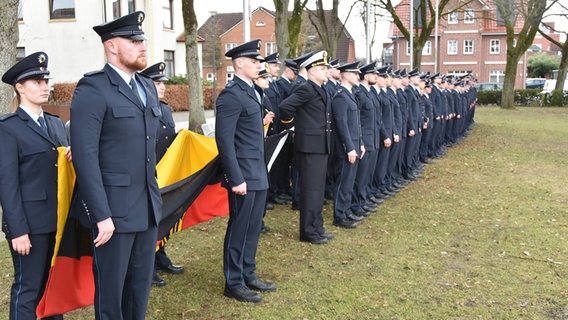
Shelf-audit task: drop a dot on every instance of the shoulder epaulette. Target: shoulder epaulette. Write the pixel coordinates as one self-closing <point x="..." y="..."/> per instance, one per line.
<point x="88" y="74"/>
<point x="7" y="115"/>
<point x="143" y="75"/>
<point x="51" y="114"/>
<point x="230" y="84"/>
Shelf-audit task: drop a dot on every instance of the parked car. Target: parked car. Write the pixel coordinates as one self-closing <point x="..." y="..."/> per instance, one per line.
<point x="533" y="83"/>
<point x="550" y="85"/>
<point x="486" y="86"/>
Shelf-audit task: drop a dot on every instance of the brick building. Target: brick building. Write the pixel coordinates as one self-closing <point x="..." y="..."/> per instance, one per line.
<point x="228" y="28"/>
<point x="471" y="39"/>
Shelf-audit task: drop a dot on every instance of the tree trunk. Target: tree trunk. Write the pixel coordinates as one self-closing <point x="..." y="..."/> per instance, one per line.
<point x="294" y="26"/>
<point x="196" y="114"/>
<point x="563" y="67"/>
<point x="508" y="93"/>
<point x="281" y="28"/>
<point x="8" y="42"/>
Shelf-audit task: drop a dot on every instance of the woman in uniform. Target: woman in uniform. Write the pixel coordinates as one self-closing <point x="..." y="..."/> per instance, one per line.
<point x="28" y="182"/>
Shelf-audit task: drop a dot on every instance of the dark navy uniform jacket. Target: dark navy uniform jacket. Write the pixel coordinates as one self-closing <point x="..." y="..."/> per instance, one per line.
<point x="369" y="129"/>
<point x="274" y="98"/>
<point x="166" y="131"/>
<point x="114" y="151"/>
<point x="401" y="97"/>
<point x="311" y="112"/>
<point x="414" y="119"/>
<point x="346" y="123"/>
<point x="396" y="112"/>
<point x="239" y="134"/>
<point x="285" y="88"/>
<point x="28" y="173"/>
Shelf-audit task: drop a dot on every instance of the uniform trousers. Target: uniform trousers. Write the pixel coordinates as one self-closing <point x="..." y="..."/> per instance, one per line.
<point x="365" y="170"/>
<point x="312" y="171"/>
<point x="241" y="237"/>
<point x="425" y="143"/>
<point x="123" y="269"/>
<point x="379" y="183"/>
<point x="344" y="190"/>
<point x="393" y="170"/>
<point x="30" y="276"/>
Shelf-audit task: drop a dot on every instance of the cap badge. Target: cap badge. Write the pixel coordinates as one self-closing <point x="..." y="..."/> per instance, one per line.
<point x="41" y="58"/>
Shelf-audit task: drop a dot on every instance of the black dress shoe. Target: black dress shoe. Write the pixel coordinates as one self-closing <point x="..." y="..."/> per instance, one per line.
<point x="354" y="217"/>
<point x="369" y="208"/>
<point x="173" y="269"/>
<point x="347" y="224"/>
<point x="277" y="200"/>
<point x="360" y="213"/>
<point x="388" y="193"/>
<point x="260" y="285"/>
<point x="318" y="240"/>
<point x="427" y="161"/>
<point x="327" y="235"/>
<point x="243" y="294"/>
<point x="157" y="281"/>
<point x="285" y="197"/>
<point x="393" y="189"/>
<point x="375" y="200"/>
<point x="269" y="206"/>
<point x="264" y="229"/>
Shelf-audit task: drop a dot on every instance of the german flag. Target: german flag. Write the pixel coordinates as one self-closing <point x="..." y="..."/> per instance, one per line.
<point x="188" y="177"/>
<point x="191" y="192"/>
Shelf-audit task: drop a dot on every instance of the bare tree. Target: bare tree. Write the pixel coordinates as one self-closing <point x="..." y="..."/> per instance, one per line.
<point x="8" y="42"/>
<point x="328" y="26"/>
<point x="531" y="13"/>
<point x="196" y="113"/>
<point x="563" y="46"/>
<point x="295" y="26"/>
<point x="281" y="26"/>
<point x="424" y="17"/>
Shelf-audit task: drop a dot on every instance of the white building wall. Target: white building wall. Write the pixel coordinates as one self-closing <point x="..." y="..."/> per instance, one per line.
<point x="74" y="48"/>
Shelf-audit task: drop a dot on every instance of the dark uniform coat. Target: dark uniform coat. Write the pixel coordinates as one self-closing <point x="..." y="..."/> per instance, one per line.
<point x="166" y="131"/>
<point x="28" y="173"/>
<point x="239" y="134"/>
<point x="114" y="154"/>
<point x="28" y="196"/>
<point x="114" y="151"/>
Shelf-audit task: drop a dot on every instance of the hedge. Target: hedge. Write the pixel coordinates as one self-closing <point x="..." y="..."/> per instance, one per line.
<point x="525" y="97"/>
<point x="176" y="95"/>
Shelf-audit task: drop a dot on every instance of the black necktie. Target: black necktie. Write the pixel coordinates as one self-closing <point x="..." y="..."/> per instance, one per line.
<point x="43" y="125"/>
<point x="135" y="89"/>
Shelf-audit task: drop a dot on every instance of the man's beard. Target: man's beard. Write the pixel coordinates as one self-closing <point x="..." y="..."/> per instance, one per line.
<point x="138" y="64"/>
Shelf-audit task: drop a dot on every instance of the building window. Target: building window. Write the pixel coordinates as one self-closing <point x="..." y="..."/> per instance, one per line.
<point x="170" y="61"/>
<point x="427" y="50"/>
<point x="494" y="46"/>
<point x="453" y="17"/>
<point x="20" y="10"/>
<point x="468" y="16"/>
<point x="115" y="9"/>
<point x="20" y="53"/>
<point x="229" y="77"/>
<point x="452" y="46"/>
<point x="468" y="46"/>
<point x="270" y="48"/>
<point x="131" y="6"/>
<point x="229" y="46"/>
<point x="168" y="14"/>
<point x="61" y="9"/>
<point x="210" y="76"/>
<point x="407" y="48"/>
<point x="496" y="76"/>
<point x="260" y="23"/>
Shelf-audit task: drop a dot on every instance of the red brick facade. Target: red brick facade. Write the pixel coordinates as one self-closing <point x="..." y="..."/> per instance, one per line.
<point x="470" y="41"/>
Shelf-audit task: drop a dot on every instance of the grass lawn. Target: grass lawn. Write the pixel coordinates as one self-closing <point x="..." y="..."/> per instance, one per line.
<point x="481" y="236"/>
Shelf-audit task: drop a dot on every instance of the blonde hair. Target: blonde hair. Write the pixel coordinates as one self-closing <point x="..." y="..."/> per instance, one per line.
<point x="15" y="101"/>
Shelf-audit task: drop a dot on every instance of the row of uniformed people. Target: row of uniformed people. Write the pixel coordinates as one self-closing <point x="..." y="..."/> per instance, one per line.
<point x="401" y="128"/>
